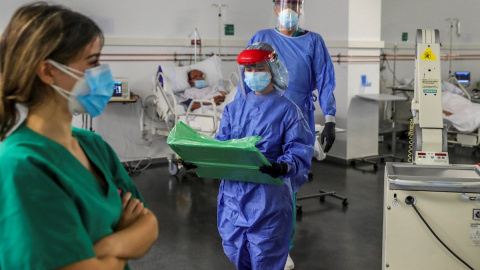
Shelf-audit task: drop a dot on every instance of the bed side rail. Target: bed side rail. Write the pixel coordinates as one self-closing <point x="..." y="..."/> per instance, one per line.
<point x="163" y="103"/>
<point x="468" y="139"/>
<point x="213" y="116"/>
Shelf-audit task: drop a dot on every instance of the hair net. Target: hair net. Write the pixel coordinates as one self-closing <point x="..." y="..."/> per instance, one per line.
<point x="278" y="70"/>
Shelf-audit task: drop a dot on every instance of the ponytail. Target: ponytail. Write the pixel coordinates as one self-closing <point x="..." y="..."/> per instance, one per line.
<point x="9" y="115"/>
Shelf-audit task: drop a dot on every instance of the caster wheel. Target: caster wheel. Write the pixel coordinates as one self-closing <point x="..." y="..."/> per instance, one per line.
<point x="345" y="203"/>
<point x="322" y="198"/>
<point x="352" y="163"/>
<point x="172" y="167"/>
<point x="299" y="210"/>
<point x="375" y="167"/>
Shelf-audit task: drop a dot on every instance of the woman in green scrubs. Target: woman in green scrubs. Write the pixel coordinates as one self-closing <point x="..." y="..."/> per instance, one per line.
<point x="66" y="202"/>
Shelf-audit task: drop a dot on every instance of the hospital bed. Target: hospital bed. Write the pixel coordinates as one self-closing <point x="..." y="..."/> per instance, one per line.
<point x="171" y="81"/>
<point x="464" y="123"/>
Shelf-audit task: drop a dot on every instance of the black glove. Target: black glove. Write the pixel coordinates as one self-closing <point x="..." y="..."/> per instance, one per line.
<point x="329" y="134"/>
<point x="187" y="165"/>
<point x="275" y="170"/>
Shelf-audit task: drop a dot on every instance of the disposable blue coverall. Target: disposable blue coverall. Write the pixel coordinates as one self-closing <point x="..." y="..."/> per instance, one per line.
<point x="309" y="67"/>
<point x="254" y="220"/>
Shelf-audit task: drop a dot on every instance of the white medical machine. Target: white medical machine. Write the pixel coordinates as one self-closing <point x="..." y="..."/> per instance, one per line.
<point x="430" y="134"/>
<point x="121" y="90"/>
<point x="431" y="208"/>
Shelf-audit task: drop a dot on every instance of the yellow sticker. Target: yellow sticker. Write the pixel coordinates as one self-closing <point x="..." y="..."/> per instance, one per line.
<point x="428" y="55"/>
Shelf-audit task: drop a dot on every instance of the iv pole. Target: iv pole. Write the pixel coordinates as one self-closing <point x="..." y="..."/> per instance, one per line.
<point x="196" y="37"/>
<point x="219" y="26"/>
<point x="395" y="49"/>
<point x="451" y="78"/>
<point x="457" y="24"/>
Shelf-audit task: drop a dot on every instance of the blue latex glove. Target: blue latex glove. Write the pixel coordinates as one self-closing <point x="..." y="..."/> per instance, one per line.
<point x="328" y="134"/>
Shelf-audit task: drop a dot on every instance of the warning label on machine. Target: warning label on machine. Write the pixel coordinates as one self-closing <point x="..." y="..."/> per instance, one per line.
<point x="429" y="83"/>
<point x="428" y="55"/>
<point x="475" y="234"/>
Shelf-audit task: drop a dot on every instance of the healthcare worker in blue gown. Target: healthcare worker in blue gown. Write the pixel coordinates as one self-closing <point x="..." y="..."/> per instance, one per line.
<point x="309" y="67"/>
<point x="254" y="220"/>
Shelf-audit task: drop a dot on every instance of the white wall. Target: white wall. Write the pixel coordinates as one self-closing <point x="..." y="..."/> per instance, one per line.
<point x="177" y="19"/>
<point x="410" y="15"/>
<point x="362" y="115"/>
<point x="161" y="18"/>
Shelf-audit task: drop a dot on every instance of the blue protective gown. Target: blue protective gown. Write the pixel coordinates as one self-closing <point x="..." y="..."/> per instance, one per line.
<point x="254" y="220"/>
<point x="309" y="67"/>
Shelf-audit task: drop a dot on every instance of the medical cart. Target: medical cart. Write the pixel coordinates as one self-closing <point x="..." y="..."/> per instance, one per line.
<point x="444" y="197"/>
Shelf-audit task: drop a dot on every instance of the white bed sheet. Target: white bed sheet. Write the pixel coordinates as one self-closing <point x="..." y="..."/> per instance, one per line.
<point x="205" y="109"/>
<point x="174" y="80"/>
<point x="205" y="124"/>
<point x="465" y="114"/>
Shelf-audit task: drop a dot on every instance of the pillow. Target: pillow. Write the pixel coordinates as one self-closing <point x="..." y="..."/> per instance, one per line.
<point x="177" y="76"/>
<point x="452" y="88"/>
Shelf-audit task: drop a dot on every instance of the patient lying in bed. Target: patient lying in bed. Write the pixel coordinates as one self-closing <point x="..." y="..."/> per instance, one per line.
<point x="463" y="114"/>
<point x="201" y="90"/>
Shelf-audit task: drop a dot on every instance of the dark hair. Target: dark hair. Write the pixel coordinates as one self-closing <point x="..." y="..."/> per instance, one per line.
<point x="36" y="32"/>
<point x="190" y="73"/>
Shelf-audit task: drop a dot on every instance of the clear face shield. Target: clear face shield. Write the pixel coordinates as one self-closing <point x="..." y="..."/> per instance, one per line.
<point x="289" y="15"/>
<point x="258" y="68"/>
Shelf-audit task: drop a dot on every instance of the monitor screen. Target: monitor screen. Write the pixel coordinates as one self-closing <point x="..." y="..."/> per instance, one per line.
<point x="117" y="90"/>
<point x="463" y="77"/>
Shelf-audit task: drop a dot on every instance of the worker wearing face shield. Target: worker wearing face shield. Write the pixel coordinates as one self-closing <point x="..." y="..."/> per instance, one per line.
<point x="309" y="67"/>
<point x="254" y="220"/>
<point x="308" y="62"/>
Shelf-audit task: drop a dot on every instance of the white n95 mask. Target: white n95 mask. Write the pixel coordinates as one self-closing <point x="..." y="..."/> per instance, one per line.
<point x="91" y="93"/>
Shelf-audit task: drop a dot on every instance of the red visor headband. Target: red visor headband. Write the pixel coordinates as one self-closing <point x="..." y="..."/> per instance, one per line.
<point x="254" y="56"/>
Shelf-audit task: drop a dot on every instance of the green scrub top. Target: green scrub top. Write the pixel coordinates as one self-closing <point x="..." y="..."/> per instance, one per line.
<point x="52" y="209"/>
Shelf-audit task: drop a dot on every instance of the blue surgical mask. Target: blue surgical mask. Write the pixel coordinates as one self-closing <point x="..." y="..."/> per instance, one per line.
<point x="257" y="81"/>
<point x="91" y="92"/>
<point x="288" y="18"/>
<point x="201" y="84"/>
